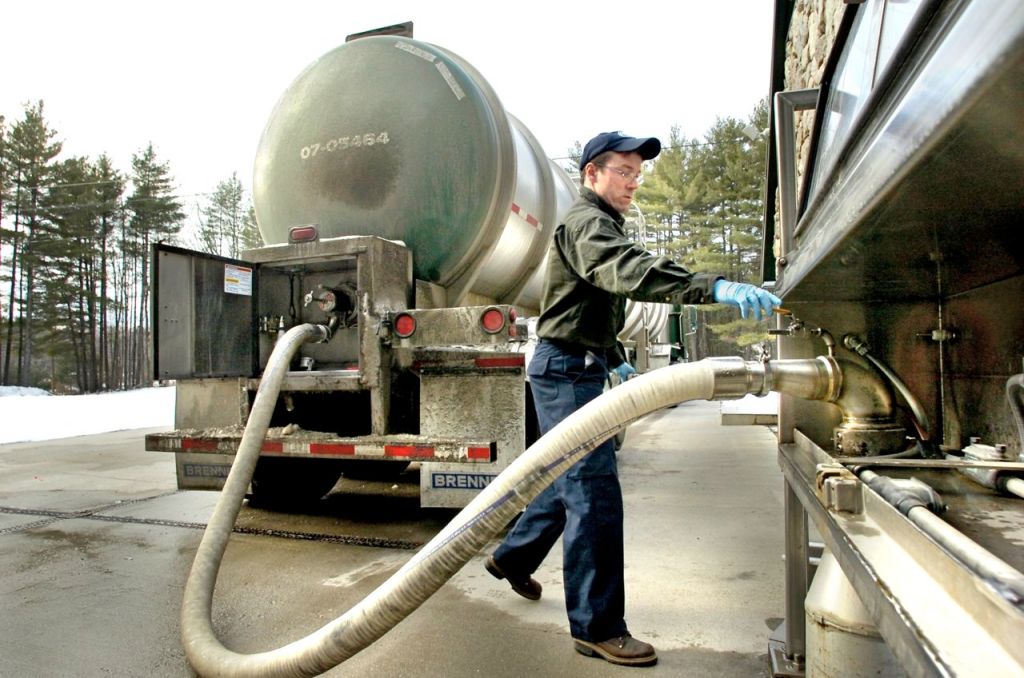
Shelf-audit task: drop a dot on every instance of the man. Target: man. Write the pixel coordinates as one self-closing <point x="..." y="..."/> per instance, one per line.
<point x="592" y="268"/>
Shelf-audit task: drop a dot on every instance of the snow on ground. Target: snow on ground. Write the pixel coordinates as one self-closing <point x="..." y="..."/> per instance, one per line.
<point x="28" y="414"/>
<point x="32" y="414"/>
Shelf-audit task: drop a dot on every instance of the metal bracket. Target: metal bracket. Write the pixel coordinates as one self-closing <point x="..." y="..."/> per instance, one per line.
<point x="838" y="488"/>
<point x="783" y="666"/>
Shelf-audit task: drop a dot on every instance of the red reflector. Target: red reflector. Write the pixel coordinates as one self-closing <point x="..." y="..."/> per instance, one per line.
<point x="272" y="446"/>
<point x="512" y="315"/>
<point x="331" y="448"/>
<point x="303" y="234"/>
<point x="198" y="444"/>
<point x="492" y="320"/>
<point x="478" y="453"/>
<point x="405" y="325"/>
<point x="408" y="451"/>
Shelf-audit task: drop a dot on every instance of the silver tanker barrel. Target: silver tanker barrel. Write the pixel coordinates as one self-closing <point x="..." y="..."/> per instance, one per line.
<point x="405" y="140"/>
<point x="401" y="139"/>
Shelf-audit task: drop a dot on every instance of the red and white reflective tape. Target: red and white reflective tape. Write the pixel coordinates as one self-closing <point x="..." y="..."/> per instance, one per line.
<point x="530" y="219"/>
<point x="413" y="451"/>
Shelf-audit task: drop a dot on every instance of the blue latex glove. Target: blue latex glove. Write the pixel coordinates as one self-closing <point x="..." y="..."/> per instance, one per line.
<point x="746" y="297"/>
<point x="625" y="371"/>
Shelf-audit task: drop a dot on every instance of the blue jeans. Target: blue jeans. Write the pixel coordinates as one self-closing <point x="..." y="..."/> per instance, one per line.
<point x="584" y="505"/>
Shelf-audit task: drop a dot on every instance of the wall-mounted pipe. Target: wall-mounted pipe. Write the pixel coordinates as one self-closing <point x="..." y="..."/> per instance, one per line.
<point x="1003" y="578"/>
<point x="483" y="518"/>
<point x="1013" y="486"/>
<point x="995" y="479"/>
<point x="786" y="104"/>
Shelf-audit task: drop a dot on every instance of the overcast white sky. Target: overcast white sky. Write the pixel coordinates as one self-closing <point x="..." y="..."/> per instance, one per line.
<point x="199" y="79"/>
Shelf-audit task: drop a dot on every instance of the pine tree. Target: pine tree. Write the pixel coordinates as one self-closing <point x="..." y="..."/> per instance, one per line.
<point x="221" y="220"/>
<point x="109" y="194"/>
<point x="251" y="237"/>
<point x="227" y="223"/>
<point x="31" y="150"/>
<point x="155" y="215"/>
<point x="60" y="276"/>
<point x="72" y="279"/>
<point x="4" y="197"/>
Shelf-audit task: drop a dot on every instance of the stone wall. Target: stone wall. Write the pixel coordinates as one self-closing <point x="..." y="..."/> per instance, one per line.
<point x="812" y="33"/>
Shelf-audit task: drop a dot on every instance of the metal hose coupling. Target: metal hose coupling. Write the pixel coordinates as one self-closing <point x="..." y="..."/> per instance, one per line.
<point x="868" y="427"/>
<point x="813" y="379"/>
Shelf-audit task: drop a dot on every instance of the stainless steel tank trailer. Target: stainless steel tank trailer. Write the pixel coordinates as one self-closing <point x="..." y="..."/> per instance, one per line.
<point x="407" y="211"/>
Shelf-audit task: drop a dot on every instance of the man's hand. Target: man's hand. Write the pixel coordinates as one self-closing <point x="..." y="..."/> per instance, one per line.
<point x="746" y="297"/>
<point x="625" y="371"/>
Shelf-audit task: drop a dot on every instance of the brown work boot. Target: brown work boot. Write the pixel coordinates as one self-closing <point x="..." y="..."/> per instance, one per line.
<point x="528" y="588"/>
<point x="624" y="650"/>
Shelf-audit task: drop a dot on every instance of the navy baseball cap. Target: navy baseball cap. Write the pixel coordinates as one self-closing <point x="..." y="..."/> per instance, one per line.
<point x="647" y="147"/>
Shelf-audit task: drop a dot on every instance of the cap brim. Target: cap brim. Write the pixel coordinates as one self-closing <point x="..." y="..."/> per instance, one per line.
<point x="648" y="148"/>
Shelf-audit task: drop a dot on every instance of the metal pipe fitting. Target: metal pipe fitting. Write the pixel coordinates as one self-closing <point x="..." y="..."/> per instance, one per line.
<point x="917" y="413"/>
<point x="819" y="378"/>
<point x="864" y="396"/>
<point x="735" y="378"/>
<point x="812" y="379"/>
<point x="868" y="428"/>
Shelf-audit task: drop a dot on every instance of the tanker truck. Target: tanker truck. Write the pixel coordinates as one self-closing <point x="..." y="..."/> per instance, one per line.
<point x="402" y="207"/>
<point x="897" y="158"/>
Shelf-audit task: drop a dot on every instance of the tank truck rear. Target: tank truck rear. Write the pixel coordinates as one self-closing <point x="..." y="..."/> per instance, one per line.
<point x="405" y="208"/>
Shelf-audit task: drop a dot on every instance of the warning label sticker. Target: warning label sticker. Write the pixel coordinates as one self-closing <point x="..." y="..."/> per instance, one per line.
<point x="237" y="280"/>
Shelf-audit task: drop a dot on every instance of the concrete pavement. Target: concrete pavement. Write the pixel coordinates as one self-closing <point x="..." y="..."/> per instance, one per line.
<point x="93" y="586"/>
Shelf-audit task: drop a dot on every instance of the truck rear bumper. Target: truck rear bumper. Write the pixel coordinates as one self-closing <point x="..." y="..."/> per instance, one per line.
<point x="204" y="457"/>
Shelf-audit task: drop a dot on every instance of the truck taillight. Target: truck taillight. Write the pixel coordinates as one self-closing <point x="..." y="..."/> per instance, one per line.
<point x="303" y="233"/>
<point x="405" y="325"/>
<point x="493" y="320"/>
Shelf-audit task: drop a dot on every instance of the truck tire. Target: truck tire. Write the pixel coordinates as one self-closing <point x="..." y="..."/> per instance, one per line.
<point x="280" y="482"/>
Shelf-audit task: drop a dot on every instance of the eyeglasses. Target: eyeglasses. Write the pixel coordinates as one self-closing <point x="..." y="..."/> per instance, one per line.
<point x="638" y="177"/>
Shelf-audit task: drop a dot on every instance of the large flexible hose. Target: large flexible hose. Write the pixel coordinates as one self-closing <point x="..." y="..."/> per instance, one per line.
<point x="467" y="533"/>
<point x="197" y="604"/>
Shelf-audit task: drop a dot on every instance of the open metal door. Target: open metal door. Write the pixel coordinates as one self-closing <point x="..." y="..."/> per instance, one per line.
<point x="203" y="315"/>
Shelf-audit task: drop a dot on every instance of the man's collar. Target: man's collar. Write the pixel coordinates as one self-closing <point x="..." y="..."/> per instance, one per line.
<point x="599" y="202"/>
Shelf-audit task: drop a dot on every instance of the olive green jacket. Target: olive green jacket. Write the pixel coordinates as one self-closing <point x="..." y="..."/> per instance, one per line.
<point x="593" y="268"/>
